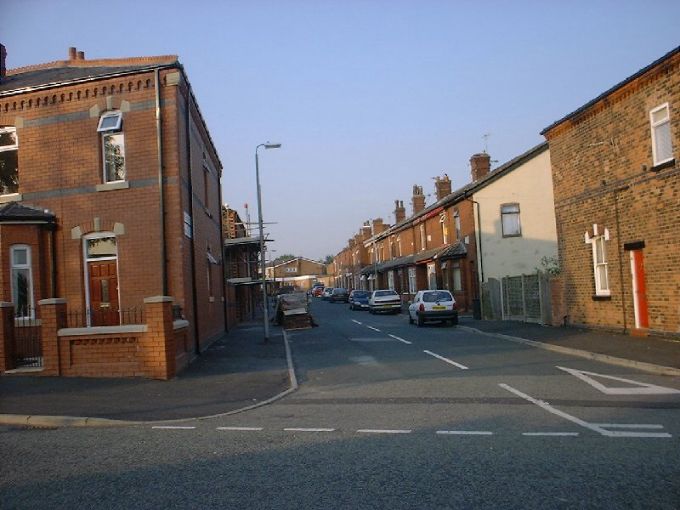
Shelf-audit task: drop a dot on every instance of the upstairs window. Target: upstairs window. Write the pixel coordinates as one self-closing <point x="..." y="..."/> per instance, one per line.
<point x="9" y="161"/>
<point x="600" y="266"/>
<point x="113" y="146"/>
<point x="422" y="237"/>
<point x="445" y="228"/>
<point x="662" y="145"/>
<point x="456" y="221"/>
<point x="510" y="220"/>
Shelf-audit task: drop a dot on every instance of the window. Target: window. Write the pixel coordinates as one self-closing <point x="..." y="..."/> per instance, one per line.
<point x="206" y="187"/>
<point x="510" y="220"/>
<point x="600" y="266"/>
<point x="9" y="161"/>
<point x="422" y="236"/>
<point x="445" y="228"/>
<point x="412" y="280"/>
<point x="22" y="280"/>
<point x="113" y="144"/>
<point x="456" y="221"/>
<point x="457" y="279"/>
<point x="390" y="280"/>
<point x="399" y="245"/>
<point x="662" y="146"/>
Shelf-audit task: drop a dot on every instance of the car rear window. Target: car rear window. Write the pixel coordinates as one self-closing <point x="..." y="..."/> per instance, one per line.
<point x="382" y="293"/>
<point x="360" y="293"/>
<point x="339" y="291"/>
<point x="438" y="295"/>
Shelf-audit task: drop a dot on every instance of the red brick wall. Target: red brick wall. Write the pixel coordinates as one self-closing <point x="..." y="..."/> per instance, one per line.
<point x="602" y="174"/>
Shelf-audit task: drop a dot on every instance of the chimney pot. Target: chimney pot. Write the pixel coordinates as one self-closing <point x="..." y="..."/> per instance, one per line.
<point x="72" y="53"/>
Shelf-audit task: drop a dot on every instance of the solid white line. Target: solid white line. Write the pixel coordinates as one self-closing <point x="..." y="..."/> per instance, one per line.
<point x="462" y="367"/>
<point x="547" y="407"/>
<point x="239" y="428"/>
<point x="465" y="432"/>
<point x="383" y="431"/>
<point x="374" y="329"/>
<point x="628" y="426"/>
<point x="550" y="433"/>
<point x="359" y="323"/>
<point x="400" y="339"/>
<point x="172" y="427"/>
<point x="623" y="433"/>
<point x="308" y="430"/>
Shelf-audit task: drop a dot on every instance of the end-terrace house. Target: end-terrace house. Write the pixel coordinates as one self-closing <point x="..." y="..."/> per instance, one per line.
<point x="617" y="203"/>
<point x="299" y="272"/>
<point x="110" y="224"/>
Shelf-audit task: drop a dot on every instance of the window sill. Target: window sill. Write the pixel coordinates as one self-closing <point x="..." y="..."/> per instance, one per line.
<point x="110" y="186"/>
<point x="666" y="164"/>
<point x="10" y="197"/>
<point x="211" y="299"/>
<point x="602" y="297"/>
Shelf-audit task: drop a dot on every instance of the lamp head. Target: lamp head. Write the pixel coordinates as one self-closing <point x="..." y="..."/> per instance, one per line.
<point x="272" y="145"/>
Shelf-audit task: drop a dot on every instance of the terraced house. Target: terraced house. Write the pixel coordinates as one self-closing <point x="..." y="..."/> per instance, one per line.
<point x="110" y="224"/>
<point x="617" y="201"/>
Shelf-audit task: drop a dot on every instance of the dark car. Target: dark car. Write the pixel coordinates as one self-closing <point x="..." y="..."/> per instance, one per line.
<point x="358" y="299"/>
<point x="339" y="294"/>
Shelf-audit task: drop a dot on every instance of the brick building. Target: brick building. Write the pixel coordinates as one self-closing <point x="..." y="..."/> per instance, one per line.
<point x="109" y="209"/>
<point x="298" y="272"/>
<point x="617" y="202"/>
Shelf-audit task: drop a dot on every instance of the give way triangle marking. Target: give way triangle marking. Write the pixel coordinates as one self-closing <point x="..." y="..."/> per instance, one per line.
<point x="638" y="388"/>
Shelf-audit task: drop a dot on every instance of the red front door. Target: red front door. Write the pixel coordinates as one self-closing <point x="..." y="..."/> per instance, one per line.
<point x="637" y="268"/>
<point x="103" y="293"/>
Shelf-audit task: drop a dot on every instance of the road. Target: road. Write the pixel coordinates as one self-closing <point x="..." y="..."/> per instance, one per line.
<point x="388" y="415"/>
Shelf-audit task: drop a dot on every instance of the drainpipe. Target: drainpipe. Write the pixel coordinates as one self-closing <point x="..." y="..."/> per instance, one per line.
<point x="159" y="142"/>
<point x="194" y="307"/>
<point x="619" y="245"/>
<point x="224" y="265"/>
<point x="52" y="227"/>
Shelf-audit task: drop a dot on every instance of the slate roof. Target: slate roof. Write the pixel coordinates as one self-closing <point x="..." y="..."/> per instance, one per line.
<point x="14" y="211"/>
<point x="453" y="251"/>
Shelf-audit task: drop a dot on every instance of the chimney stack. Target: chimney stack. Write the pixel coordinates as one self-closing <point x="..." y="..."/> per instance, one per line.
<point x="399" y="211"/>
<point x="378" y="226"/>
<point x="72" y="53"/>
<point x="442" y="186"/>
<point x="3" y="57"/>
<point x="418" y="200"/>
<point x="480" y="164"/>
<point x="365" y="231"/>
<point x="81" y="55"/>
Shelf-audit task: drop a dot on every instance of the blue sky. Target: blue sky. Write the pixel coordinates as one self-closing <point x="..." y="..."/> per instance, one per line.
<point x="367" y="97"/>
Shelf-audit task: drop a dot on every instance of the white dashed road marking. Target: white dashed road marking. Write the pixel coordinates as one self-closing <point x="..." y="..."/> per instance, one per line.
<point x="240" y="428"/>
<point x="559" y="434"/>
<point x="447" y="360"/>
<point x="307" y="430"/>
<point x="359" y="323"/>
<point x="464" y="433"/>
<point x="374" y="329"/>
<point x="400" y="339"/>
<point x="383" y="431"/>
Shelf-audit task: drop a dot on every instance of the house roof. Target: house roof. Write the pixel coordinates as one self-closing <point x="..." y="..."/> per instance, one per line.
<point x="14" y="211"/>
<point x="453" y="251"/>
<point x="464" y="192"/>
<point x="299" y="258"/>
<point x="616" y="87"/>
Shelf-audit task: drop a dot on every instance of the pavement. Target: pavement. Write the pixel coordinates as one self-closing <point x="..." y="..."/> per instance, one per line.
<point x="240" y="371"/>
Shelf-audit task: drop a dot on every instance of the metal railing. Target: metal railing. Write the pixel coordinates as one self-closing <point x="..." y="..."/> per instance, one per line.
<point x="89" y="318"/>
<point x="27" y="341"/>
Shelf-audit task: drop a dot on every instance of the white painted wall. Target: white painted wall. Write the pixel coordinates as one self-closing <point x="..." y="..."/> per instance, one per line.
<point x="529" y="185"/>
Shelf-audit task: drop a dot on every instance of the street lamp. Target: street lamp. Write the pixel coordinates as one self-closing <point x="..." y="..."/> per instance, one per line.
<point x="265" y="305"/>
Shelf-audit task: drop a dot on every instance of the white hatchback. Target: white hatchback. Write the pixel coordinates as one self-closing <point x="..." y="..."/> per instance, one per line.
<point x="433" y="305"/>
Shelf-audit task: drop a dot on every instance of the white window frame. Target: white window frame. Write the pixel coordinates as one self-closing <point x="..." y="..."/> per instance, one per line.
<point x="423" y="241"/>
<point x="511" y="213"/>
<point x="456" y="222"/>
<point x="8" y="148"/>
<point x="27" y="265"/>
<point x="655" y="126"/>
<point x="445" y="228"/>
<point x="390" y="280"/>
<point x="412" y="280"/>
<point x="600" y="289"/>
<point x="109" y="131"/>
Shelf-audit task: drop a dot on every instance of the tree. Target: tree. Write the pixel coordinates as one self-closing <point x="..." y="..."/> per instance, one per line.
<point x="283" y="258"/>
<point x="328" y="259"/>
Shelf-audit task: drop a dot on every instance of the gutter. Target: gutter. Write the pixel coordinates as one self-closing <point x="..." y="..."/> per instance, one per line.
<point x="161" y="203"/>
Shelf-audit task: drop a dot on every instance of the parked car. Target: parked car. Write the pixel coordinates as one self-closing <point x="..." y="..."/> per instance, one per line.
<point x="433" y="305"/>
<point x="339" y="295"/>
<point x="327" y="293"/>
<point x="358" y="299"/>
<point x="384" y="301"/>
<point x="286" y="289"/>
<point x="317" y="290"/>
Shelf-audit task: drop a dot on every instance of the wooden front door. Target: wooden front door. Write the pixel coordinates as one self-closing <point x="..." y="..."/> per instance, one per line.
<point x="103" y="293"/>
<point x="637" y="268"/>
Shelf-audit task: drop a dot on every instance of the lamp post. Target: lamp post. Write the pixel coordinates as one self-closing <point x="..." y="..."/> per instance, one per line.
<point x="265" y="305"/>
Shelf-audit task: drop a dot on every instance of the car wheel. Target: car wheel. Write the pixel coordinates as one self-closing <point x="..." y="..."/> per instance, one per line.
<point x="421" y="321"/>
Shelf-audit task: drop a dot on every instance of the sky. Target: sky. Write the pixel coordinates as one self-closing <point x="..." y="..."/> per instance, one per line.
<point x="366" y="97"/>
